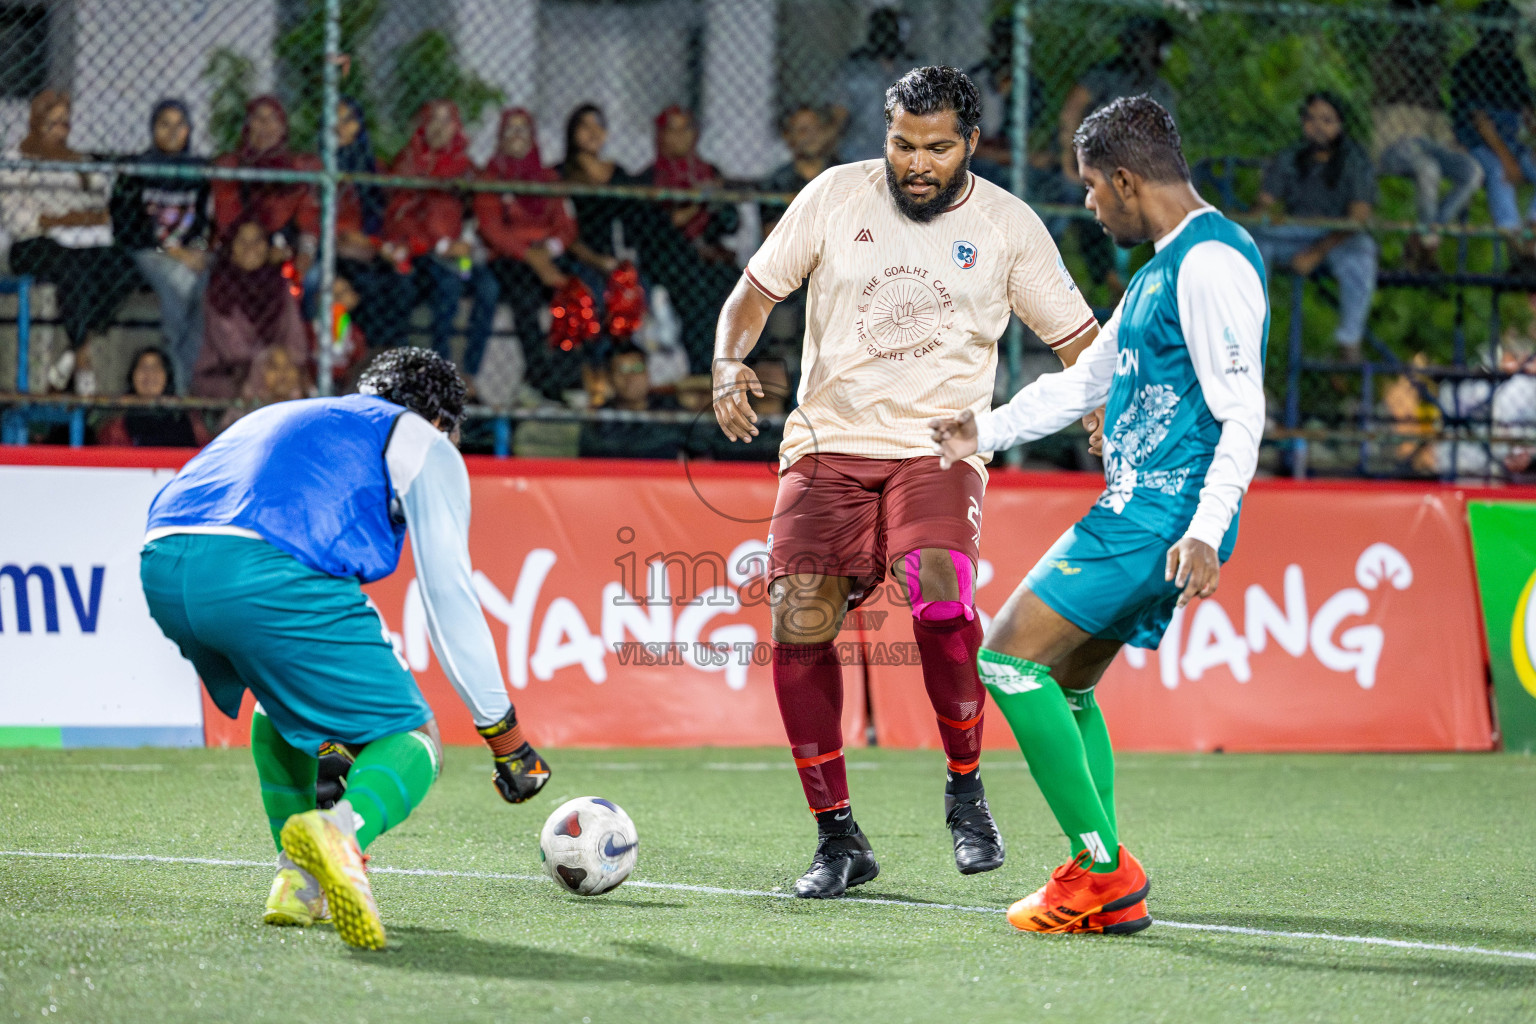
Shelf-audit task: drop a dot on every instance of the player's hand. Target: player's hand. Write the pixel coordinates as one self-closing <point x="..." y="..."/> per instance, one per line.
<point x="520" y="772"/>
<point x="1094" y="424"/>
<point x="1194" y="568"/>
<point x="734" y="380"/>
<point x="954" y="438"/>
<point x="520" y="775"/>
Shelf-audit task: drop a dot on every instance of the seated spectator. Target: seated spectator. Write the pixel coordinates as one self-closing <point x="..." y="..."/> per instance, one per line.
<point x="248" y="308"/>
<point x="1413" y="136"/>
<point x="61" y="233"/>
<point x="631" y="392"/>
<point x="811" y="136"/>
<point x="151" y="376"/>
<point x="349" y="342"/>
<point x="1328" y="175"/>
<point x="683" y="252"/>
<point x="425" y="237"/>
<point x="1490" y="99"/>
<point x="528" y="238"/>
<point x="372" y="304"/>
<point x="275" y="377"/>
<point x="1136" y="69"/>
<point x="288" y="213"/>
<point x="812" y="142"/>
<point x="859" y="114"/>
<point x="1506" y="408"/>
<point x="163" y="223"/>
<point x="603" y="224"/>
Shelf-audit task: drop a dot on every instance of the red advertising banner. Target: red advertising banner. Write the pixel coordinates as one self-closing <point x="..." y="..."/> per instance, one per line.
<point x="1347" y="620"/>
<point x="627" y="603"/>
<point x="630" y="609"/>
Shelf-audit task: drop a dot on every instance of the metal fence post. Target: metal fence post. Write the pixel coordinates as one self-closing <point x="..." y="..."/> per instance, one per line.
<point x="325" y="314"/>
<point x="1019" y="172"/>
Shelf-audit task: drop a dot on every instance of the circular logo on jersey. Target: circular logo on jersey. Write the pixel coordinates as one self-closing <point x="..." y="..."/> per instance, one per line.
<point x="964" y="254"/>
<point x="903" y="312"/>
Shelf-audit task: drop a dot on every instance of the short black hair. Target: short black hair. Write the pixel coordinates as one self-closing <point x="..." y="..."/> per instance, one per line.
<point x="1134" y="132"/>
<point x="625" y="349"/>
<point x="419" y="379"/>
<point x="932" y="89"/>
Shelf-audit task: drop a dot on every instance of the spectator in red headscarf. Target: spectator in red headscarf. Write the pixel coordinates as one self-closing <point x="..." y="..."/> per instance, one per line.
<point x="247" y="309"/>
<point x="684" y="252"/>
<point x="61" y="233"/>
<point x="290" y="214"/>
<point x="529" y="238"/>
<point x="424" y="233"/>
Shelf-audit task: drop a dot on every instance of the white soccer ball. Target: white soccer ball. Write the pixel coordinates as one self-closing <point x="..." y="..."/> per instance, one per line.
<point x="588" y="845"/>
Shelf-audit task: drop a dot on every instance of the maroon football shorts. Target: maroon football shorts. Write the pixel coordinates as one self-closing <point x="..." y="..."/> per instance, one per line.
<point x="846" y="515"/>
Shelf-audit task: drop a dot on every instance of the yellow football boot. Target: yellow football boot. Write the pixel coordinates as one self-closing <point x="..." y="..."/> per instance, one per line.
<point x="324" y="843"/>
<point x="295" y="899"/>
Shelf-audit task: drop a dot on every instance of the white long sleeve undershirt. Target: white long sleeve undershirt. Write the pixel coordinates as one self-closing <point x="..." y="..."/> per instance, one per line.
<point x="1221" y="307"/>
<point x="429" y="478"/>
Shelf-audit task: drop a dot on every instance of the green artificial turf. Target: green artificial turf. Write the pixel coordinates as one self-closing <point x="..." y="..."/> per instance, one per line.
<point x="1434" y="849"/>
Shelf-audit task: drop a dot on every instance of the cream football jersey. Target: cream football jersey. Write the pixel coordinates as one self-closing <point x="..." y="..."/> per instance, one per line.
<point x="903" y="318"/>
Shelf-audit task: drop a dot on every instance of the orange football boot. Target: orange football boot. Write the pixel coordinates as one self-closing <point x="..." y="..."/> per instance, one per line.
<point x="1075" y="892"/>
<point x="1129" y="921"/>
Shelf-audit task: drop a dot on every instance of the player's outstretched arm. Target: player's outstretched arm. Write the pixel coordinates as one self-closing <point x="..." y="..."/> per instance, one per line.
<point x="429" y="476"/>
<point x="1052" y="402"/>
<point x="741" y="323"/>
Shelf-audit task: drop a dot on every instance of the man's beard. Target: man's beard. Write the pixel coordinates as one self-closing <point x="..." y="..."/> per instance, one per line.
<point x="940" y="201"/>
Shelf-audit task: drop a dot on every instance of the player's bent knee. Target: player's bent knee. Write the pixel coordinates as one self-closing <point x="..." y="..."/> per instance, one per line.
<point x="430" y="731"/>
<point x="930" y="598"/>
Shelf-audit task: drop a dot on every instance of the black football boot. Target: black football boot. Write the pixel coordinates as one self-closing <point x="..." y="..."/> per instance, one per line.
<point x="842" y="860"/>
<point x="978" y="844"/>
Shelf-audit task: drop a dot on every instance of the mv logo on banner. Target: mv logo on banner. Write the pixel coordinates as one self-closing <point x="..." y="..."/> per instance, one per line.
<point x="39" y="579"/>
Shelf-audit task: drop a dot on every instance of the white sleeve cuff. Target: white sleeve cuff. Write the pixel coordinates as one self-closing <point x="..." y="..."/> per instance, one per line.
<point x="1209" y="526"/>
<point x="986" y="433"/>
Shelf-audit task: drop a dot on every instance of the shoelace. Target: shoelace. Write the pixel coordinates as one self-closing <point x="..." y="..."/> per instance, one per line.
<point x="1074" y="868"/>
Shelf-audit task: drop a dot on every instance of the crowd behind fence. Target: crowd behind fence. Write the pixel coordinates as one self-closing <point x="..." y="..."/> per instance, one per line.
<point x="209" y="206"/>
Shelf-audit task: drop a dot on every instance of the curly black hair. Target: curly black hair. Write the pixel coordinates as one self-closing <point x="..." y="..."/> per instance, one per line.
<point x="419" y="379"/>
<point x="1137" y="133"/>
<point x="932" y="89"/>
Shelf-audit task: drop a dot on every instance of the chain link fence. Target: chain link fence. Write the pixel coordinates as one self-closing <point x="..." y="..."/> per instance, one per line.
<point x="1372" y="151"/>
<point x="560" y="193"/>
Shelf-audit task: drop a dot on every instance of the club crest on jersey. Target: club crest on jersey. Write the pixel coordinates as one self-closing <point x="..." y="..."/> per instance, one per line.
<point x="964" y="254"/>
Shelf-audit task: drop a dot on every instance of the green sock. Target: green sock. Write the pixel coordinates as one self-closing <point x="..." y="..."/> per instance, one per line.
<point x="1042" y="724"/>
<point x="1101" y="756"/>
<point x="388" y="779"/>
<point x="287" y="775"/>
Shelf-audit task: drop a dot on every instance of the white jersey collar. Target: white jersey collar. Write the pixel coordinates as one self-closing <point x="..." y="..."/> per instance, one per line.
<point x="1161" y="243"/>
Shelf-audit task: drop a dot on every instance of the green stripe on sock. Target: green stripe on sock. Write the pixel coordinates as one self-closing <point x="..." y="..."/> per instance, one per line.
<point x="394" y="773"/>
<point x="287" y="775"/>
<point x="355" y="778"/>
<point x="1047" y="733"/>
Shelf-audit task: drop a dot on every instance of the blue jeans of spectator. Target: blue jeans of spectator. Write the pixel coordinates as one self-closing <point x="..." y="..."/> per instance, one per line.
<point x="1426" y="161"/>
<point x="1352" y="261"/>
<point x="1503" y="203"/>
<point x="442" y="284"/>
<point x="180" y="291"/>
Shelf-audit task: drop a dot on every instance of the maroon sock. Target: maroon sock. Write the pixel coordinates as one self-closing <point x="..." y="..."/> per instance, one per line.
<point x="948" y="649"/>
<point x="808" y="680"/>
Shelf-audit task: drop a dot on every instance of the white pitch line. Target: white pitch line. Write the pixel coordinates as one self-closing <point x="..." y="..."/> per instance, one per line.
<point x="710" y="890"/>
